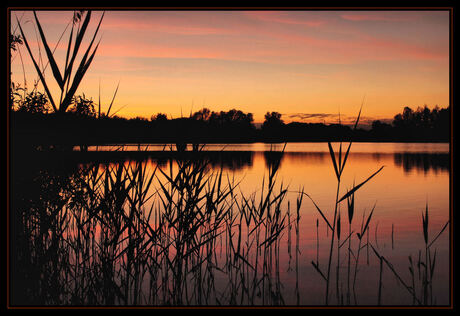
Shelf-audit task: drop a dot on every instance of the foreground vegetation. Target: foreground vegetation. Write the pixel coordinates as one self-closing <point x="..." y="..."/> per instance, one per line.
<point x="184" y="233"/>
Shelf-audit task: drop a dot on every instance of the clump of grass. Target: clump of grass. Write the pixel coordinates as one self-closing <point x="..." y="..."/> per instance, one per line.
<point x="128" y="234"/>
<point x="426" y="268"/>
<point x="339" y="164"/>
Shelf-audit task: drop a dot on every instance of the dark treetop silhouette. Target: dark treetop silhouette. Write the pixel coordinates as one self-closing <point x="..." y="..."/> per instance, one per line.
<point x="31" y="124"/>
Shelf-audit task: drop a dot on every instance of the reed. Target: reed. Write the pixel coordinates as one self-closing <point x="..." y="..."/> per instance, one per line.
<point x="339" y="161"/>
<point x="426" y="268"/>
<point x="67" y="84"/>
<point x="185" y="233"/>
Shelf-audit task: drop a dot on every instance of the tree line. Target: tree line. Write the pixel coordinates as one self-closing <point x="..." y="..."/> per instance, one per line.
<point x="32" y="117"/>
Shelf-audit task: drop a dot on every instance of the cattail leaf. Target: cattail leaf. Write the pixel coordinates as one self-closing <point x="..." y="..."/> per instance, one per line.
<point x="437" y="236"/>
<point x="49" y="54"/>
<point x="367" y="222"/>
<point x="99" y="104"/>
<point x="349" y="145"/>
<point x="331" y="152"/>
<point x="39" y="72"/>
<point x="319" y="210"/>
<point x="425" y="224"/>
<point x="345" y="240"/>
<point x="351" y="207"/>
<point x="84" y="65"/>
<point x="114" y="95"/>
<point x="338" y="226"/>
<point x="67" y="55"/>
<point x="345" y="158"/>
<point x="359" y="186"/>
<point x="340" y="158"/>
<point x="376" y="252"/>
<point x="78" y="41"/>
<point x="433" y="265"/>
<point x="359" y="115"/>
<point x="318" y="269"/>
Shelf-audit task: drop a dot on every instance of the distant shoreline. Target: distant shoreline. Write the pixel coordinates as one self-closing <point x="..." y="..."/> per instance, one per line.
<point x="71" y="129"/>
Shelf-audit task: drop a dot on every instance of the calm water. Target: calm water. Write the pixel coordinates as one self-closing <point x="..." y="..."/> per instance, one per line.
<point x="414" y="175"/>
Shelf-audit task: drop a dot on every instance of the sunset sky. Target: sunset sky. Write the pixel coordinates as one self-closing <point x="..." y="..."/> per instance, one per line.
<point x="307" y="65"/>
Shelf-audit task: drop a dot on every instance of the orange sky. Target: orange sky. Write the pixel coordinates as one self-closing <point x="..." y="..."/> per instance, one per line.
<point x="307" y="65"/>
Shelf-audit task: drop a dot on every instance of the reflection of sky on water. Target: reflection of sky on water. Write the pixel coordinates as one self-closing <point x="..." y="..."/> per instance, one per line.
<point x="295" y="147"/>
<point x="409" y="181"/>
<point x="237" y="160"/>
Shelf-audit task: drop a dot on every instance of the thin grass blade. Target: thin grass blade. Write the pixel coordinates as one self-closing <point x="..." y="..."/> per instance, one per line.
<point x="425" y="224"/>
<point x="49" y="54"/>
<point x="359" y="185"/>
<point x="363" y="231"/>
<point x="319" y="210"/>
<point x="437" y="236"/>
<point x="331" y="152"/>
<point x="42" y="78"/>
<point x="114" y="95"/>
<point x="78" y="41"/>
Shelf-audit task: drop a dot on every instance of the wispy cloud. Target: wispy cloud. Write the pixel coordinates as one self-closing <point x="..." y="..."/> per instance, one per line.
<point x="305" y="116"/>
<point x="285" y="18"/>
<point x="330" y="118"/>
<point x="379" y="16"/>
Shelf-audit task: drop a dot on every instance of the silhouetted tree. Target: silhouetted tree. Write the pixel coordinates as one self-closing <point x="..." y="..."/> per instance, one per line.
<point x="272" y="120"/>
<point x="380" y="126"/>
<point x="422" y="124"/>
<point x="381" y="130"/>
<point x="35" y="123"/>
<point x="232" y="117"/>
<point x="160" y="117"/>
<point x="202" y="115"/>
<point x="273" y="127"/>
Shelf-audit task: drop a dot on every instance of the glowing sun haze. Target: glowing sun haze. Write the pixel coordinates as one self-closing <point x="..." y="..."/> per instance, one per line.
<point x="307" y="65"/>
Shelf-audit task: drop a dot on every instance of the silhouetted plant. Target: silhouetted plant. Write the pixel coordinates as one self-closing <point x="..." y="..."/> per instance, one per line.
<point x="14" y="41"/>
<point x="67" y="84"/>
<point x="34" y="102"/>
<point x="339" y="164"/>
<point x="82" y="106"/>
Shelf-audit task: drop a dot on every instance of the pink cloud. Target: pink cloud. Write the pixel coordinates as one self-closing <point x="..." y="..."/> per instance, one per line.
<point x="380" y="16"/>
<point x="284" y="18"/>
<point x="182" y="23"/>
<point x="273" y="44"/>
<point x="155" y="51"/>
<point x="162" y="27"/>
<point x="279" y="47"/>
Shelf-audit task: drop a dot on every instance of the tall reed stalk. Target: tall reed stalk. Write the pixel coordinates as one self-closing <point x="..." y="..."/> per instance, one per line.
<point x="339" y="163"/>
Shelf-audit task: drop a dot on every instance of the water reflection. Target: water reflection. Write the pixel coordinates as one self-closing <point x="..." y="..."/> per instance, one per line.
<point x="239" y="160"/>
<point x="422" y="162"/>
<point x="273" y="159"/>
<point x="103" y="229"/>
<point x="101" y="234"/>
<point x="228" y="160"/>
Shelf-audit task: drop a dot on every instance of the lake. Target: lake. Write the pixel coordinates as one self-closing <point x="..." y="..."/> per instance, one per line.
<point x="235" y="224"/>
